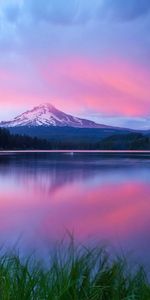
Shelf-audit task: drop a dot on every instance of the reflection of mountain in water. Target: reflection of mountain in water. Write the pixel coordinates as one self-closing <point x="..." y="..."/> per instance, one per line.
<point x="46" y="172"/>
<point x="49" y="171"/>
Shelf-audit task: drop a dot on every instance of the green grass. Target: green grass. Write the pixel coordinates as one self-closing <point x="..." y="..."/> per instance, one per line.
<point x="72" y="273"/>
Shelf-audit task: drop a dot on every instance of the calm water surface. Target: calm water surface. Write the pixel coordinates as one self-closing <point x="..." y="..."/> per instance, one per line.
<point x="98" y="197"/>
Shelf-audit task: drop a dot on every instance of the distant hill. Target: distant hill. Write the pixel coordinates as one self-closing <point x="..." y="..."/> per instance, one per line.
<point x="125" y="141"/>
<point x="67" y="133"/>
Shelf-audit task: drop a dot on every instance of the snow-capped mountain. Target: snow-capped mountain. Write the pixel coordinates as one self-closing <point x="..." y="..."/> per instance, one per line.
<point x="48" y="115"/>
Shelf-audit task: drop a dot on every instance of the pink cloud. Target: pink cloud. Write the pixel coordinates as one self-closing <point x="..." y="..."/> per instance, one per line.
<point x="110" y="87"/>
<point x="74" y="84"/>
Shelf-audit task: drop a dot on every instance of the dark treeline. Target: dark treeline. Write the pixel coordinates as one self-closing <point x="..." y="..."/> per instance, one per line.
<point x="21" y="142"/>
<point x="130" y="141"/>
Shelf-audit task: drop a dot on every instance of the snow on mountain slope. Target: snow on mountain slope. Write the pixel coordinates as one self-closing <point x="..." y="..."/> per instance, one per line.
<point x="48" y="115"/>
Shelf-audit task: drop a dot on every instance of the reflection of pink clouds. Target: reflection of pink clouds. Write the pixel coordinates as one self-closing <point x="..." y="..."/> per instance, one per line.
<point x="120" y="210"/>
<point x="105" y="211"/>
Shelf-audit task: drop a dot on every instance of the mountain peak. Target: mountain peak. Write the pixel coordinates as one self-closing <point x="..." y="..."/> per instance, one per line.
<point x="48" y="115"/>
<point x="45" y="105"/>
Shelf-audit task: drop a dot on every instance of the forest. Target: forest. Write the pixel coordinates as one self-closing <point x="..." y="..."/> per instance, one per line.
<point x="125" y="141"/>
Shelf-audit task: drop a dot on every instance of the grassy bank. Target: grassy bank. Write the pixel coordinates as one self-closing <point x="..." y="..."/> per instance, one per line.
<point x="72" y="273"/>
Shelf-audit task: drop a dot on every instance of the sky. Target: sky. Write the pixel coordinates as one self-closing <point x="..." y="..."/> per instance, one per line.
<point x="89" y="58"/>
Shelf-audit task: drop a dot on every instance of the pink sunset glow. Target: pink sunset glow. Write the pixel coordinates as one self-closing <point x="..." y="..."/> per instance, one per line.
<point x="110" y="87"/>
<point x="83" y="62"/>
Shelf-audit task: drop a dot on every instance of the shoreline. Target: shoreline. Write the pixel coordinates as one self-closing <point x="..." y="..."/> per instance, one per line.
<point x="75" y="151"/>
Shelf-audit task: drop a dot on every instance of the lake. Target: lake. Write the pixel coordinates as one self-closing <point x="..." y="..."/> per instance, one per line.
<point x="96" y="196"/>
